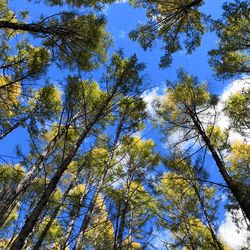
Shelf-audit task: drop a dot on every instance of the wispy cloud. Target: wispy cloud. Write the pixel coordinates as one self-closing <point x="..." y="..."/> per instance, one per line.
<point x="150" y="95"/>
<point x="122" y="34"/>
<point x="235" y="238"/>
<point x="223" y="120"/>
<point x="121" y="1"/>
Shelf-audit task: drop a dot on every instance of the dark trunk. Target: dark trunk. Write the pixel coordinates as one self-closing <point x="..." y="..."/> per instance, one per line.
<point x="239" y="194"/>
<point x="34" y="216"/>
<point x="87" y="218"/>
<point x="32" y="219"/>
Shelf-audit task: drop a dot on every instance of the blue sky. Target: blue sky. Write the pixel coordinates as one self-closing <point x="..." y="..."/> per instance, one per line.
<point x="121" y="19"/>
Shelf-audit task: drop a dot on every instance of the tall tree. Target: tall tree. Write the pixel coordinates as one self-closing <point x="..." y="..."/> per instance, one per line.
<point x="186" y="106"/>
<point x="170" y="21"/>
<point x="232" y="57"/>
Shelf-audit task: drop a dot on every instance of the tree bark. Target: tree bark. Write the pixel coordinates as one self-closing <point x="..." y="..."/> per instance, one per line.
<point x="12" y="198"/>
<point x="91" y="207"/>
<point x="34" y="216"/>
<point x="239" y="194"/>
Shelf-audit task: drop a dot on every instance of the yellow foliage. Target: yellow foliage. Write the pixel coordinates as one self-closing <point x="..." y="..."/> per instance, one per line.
<point x="9" y="95"/>
<point x="128" y="242"/>
<point x="76" y="193"/>
<point x="12" y="217"/>
<point x="239" y="161"/>
<point x="54" y="233"/>
<point x="101" y="232"/>
<point x="217" y="136"/>
<point x="11" y="174"/>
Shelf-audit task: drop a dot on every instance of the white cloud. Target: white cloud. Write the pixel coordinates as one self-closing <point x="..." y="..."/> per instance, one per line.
<point x="223" y="120"/>
<point x="122" y="34"/>
<point x="121" y="1"/>
<point x="105" y="9"/>
<point x="150" y="95"/>
<point x="228" y="231"/>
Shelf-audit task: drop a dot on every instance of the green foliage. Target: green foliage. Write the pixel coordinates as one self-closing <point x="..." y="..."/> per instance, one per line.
<point x="85" y="161"/>
<point x="217" y="136"/>
<point x="101" y="234"/>
<point x="237" y="108"/>
<point x="140" y="153"/>
<point x="9" y="97"/>
<point x="231" y="58"/>
<point x="35" y="60"/>
<point x="134" y="109"/>
<point x="82" y="43"/>
<point x="78" y="3"/>
<point x="53" y="235"/>
<point x="186" y="206"/>
<point x="182" y="99"/>
<point x="239" y="161"/>
<point x="46" y="102"/>
<point x="10" y="176"/>
<point x="123" y="74"/>
<point x="170" y="21"/>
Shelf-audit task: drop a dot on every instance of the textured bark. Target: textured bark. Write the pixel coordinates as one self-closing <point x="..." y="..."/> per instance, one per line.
<point x="34" y="216"/>
<point x="32" y="219"/>
<point x="16" y="194"/>
<point x="52" y="217"/>
<point x="12" y="198"/>
<point x="87" y="218"/>
<point x="36" y="28"/>
<point x="239" y="194"/>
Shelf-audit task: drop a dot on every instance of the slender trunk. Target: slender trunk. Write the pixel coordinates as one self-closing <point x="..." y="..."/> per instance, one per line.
<point x="53" y="216"/>
<point x="191" y="243"/>
<point x="216" y="241"/>
<point x="32" y="27"/>
<point x="117" y="225"/>
<point x="91" y="207"/>
<point x="32" y="219"/>
<point x="130" y="241"/>
<point x="122" y="223"/>
<point x="16" y="194"/>
<point x="12" y="198"/>
<point x="71" y="224"/>
<point x="239" y="194"/>
<point x="73" y="218"/>
<point x="14" y="126"/>
<point x="87" y="218"/>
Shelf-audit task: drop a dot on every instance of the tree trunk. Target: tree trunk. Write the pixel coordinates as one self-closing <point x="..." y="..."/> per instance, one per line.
<point x="32" y="219"/>
<point x="13" y="197"/>
<point x="32" y="28"/>
<point x="217" y="243"/>
<point x="16" y="194"/>
<point x="239" y="194"/>
<point x="34" y="216"/>
<point x="91" y="207"/>
<point x="53" y="216"/>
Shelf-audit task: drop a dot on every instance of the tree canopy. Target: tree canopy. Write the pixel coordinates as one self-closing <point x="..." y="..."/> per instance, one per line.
<point x="99" y="169"/>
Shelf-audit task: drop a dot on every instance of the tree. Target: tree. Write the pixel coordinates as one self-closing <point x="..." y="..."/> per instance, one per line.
<point x="237" y="110"/>
<point x="89" y="177"/>
<point x="121" y="83"/>
<point x="169" y="21"/>
<point x="231" y="58"/>
<point x="184" y="107"/>
<point x="188" y="206"/>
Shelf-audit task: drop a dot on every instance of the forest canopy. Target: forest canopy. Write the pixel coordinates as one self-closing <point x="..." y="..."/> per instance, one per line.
<point x="96" y="154"/>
